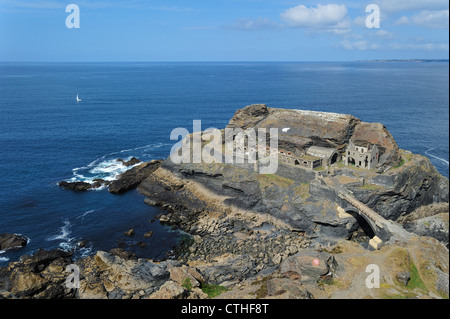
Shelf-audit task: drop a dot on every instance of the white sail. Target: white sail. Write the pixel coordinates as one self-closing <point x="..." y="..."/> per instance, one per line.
<point x="78" y="99"/>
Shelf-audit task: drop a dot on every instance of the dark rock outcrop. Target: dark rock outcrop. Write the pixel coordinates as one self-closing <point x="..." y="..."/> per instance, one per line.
<point x="76" y="186"/>
<point x="430" y="220"/>
<point x="131" y="162"/>
<point x="133" y="177"/>
<point x="12" y="241"/>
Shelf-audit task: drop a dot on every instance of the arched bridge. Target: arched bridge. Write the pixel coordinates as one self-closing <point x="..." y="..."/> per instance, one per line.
<point x="384" y="230"/>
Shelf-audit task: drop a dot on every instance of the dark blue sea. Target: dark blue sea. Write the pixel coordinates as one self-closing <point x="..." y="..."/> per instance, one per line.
<point x="130" y="109"/>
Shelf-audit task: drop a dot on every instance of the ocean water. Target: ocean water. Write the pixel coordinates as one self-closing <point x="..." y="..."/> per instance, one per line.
<point x="129" y="109"/>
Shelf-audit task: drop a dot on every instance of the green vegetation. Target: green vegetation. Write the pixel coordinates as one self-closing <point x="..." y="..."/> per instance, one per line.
<point x="415" y="281"/>
<point x="408" y="156"/>
<point x="213" y="290"/>
<point x="302" y="190"/>
<point x="402" y="261"/>
<point x="271" y="179"/>
<point x="262" y="291"/>
<point x="370" y="187"/>
<point x="187" y="284"/>
<point x="335" y="251"/>
<point x="402" y="162"/>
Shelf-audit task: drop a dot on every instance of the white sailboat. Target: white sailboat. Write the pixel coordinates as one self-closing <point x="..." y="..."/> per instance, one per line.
<point x="78" y="99"/>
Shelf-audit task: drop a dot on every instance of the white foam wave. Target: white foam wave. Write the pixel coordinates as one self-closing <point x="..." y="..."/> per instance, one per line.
<point x="85" y="214"/>
<point x="85" y="252"/>
<point x="64" y="233"/>
<point x="436" y="157"/>
<point x="2" y="259"/>
<point x="108" y="167"/>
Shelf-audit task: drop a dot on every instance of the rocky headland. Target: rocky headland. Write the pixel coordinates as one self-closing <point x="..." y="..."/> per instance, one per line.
<point x="299" y="233"/>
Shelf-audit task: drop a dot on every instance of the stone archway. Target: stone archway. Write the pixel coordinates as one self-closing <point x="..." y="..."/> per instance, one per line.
<point x="366" y="226"/>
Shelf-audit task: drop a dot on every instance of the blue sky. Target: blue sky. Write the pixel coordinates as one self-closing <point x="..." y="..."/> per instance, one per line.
<point x="222" y="30"/>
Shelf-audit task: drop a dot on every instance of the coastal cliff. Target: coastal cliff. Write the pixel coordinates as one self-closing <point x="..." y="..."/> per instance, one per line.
<point x="298" y="233"/>
<point x="295" y="197"/>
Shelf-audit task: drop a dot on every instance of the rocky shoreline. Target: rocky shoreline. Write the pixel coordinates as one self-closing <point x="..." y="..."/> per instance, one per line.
<point x="268" y="236"/>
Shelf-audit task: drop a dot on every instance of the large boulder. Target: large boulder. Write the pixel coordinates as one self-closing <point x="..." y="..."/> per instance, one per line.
<point x="308" y="264"/>
<point x="11" y="241"/>
<point x="186" y="276"/>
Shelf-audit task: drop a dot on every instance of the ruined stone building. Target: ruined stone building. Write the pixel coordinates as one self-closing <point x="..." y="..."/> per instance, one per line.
<point x="362" y="154"/>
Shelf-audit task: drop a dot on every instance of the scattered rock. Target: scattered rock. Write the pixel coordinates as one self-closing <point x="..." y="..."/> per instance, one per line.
<point x="404" y="277"/>
<point x="148" y="234"/>
<point x="76" y="186"/>
<point x="129" y="233"/>
<point x="141" y="244"/>
<point x="123" y="254"/>
<point x="309" y="264"/>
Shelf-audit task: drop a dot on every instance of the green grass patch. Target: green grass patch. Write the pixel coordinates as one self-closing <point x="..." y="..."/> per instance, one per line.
<point x="415" y="281"/>
<point x="262" y="291"/>
<point x="402" y="162"/>
<point x="335" y="251"/>
<point x="187" y="284"/>
<point x="370" y="187"/>
<point x="271" y="179"/>
<point x="213" y="290"/>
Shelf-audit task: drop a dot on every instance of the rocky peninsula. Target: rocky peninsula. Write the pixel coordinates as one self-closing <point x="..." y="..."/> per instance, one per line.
<point x="344" y="197"/>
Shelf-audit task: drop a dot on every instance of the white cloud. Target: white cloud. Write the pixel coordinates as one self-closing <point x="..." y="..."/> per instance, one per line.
<point x="360" y="22"/>
<point x="324" y="16"/>
<point x="411" y="5"/>
<point x="402" y="21"/>
<point x="432" y="19"/>
<point x="384" y="34"/>
<point x="254" y="24"/>
<point x="427" y="19"/>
